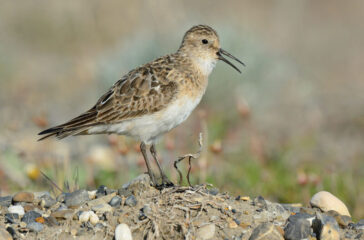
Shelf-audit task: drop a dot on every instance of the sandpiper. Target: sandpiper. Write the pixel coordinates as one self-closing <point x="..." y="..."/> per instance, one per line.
<point x="152" y="99"/>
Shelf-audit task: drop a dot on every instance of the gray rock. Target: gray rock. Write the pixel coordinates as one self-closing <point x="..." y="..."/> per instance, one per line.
<point x="5" y="201"/>
<point x="124" y="192"/>
<point x="30" y="217"/>
<point x="291" y="208"/>
<point x="359" y="225"/>
<point x="260" y="202"/>
<point x="342" y="220"/>
<point x="297" y="227"/>
<point x="138" y="184"/>
<point x="131" y="201"/>
<point x="99" y="226"/>
<point x="101" y="208"/>
<point x="206" y="232"/>
<point x="35" y="226"/>
<point x="76" y="198"/>
<point x="11" y="217"/>
<point x="115" y="201"/>
<point x="266" y="231"/>
<point x="325" y="227"/>
<point x="101" y="191"/>
<point x="51" y="221"/>
<point x="47" y="201"/>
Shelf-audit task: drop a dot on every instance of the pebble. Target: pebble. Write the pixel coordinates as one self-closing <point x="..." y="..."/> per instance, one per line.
<point x="30" y="217"/>
<point x="138" y="184"/>
<point x="47" y="201"/>
<point x="23" y="197"/>
<point x="260" y="202"/>
<point x="35" y="226"/>
<point x="99" y="226"/>
<point x="266" y="231"/>
<point x="124" y="192"/>
<point x="131" y="201"/>
<point x="325" y="227"/>
<point x="92" y="194"/>
<point x="16" y="209"/>
<point x="206" y="232"/>
<point x="76" y="198"/>
<point x="232" y="224"/>
<point x="122" y="232"/>
<point x="342" y="220"/>
<point x="5" y="235"/>
<point x="62" y="214"/>
<point x="84" y="216"/>
<point x="359" y="225"/>
<point x="297" y="228"/>
<point x="115" y="201"/>
<point x="94" y="219"/>
<point x="101" y="208"/>
<point x="329" y="232"/>
<point x="11" y="217"/>
<point x="6" y="201"/>
<point x="101" y="191"/>
<point x="51" y="221"/>
<point x="326" y="202"/>
<point x="101" y="200"/>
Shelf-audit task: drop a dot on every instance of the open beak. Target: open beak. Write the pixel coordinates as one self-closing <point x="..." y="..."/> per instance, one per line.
<point x="221" y="53"/>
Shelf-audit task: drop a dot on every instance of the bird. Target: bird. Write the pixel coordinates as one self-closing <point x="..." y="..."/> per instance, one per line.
<point x="153" y="98"/>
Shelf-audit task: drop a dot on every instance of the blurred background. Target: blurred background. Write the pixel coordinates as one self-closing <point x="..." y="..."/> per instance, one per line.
<point x="290" y="125"/>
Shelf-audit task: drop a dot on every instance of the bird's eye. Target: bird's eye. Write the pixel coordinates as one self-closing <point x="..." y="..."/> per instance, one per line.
<point x="204" y="41"/>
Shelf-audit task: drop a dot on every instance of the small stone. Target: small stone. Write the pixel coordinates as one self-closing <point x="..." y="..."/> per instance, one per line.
<point x="131" y="201"/>
<point x="326" y="202"/>
<point x="40" y="220"/>
<point x="343" y="221"/>
<point x="266" y="231"/>
<point x="101" y="191"/>
<point x="297" y="228"/>
<point x="122" y="232"/>
<point x="22" y="224"/>
<point x="138" y="184"/>
<point x="147" y="210"/>
<point x="245" y="198"/>
<point x="213" y="191"/>
<point x="85" y="216"/>
<point x="94" y="219"/>
<point x="76" y="198"/>
<point x="206" y="232"/>
<point x="260" y="202"/>
<point x="92" y="194"/>
<point x="11" y="217"/>
<point x="11" y="231"/>
<point x="6" y="201"/>
<point x="4" y="234"/>
<point x="99" y="226"/>
<point x="62" y="214"/>
<point x="115" y="201"/>
<point x="29" y="207"/>
<point x="23" y="197"/>
<point x="101" y="208"/>
<point x="325" y="227"/>
<point x="16" y="209"/>
<point x="30" y="217"/>
<point x="47" y="201"/>
<point x="51" y="221"/>
<point x="35" y="226"/>
<point x="329" y="232"/>
<point x="359" y="225"/>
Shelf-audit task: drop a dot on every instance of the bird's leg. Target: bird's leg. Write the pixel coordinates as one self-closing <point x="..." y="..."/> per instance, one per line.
<point x="165" y="180"/>
<point x="144" y="152"/>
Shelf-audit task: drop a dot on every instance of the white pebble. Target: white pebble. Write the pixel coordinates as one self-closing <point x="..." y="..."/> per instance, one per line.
<point x="94" y="219"/>
<point x="92" y="194"/>
<point x="16" y="209"/>
<point x="85" y="216"/>
<point x="326" y="202"/>
<point x="122" y="232"/>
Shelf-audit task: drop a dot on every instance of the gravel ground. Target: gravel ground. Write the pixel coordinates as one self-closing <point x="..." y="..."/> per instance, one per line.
<point x="138" y="211"/>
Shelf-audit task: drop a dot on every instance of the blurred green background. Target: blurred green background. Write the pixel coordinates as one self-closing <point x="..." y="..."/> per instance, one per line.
<point x="290" y="125"/>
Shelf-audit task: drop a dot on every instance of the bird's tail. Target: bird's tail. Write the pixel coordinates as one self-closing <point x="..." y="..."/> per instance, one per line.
<point x="76" y="126"/>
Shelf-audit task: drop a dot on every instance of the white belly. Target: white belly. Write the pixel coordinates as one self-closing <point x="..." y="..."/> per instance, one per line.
<point x="148" y="128"/>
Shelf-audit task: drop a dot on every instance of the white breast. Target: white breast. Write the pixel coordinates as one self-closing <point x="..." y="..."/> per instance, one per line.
<point x="149" y="127"/>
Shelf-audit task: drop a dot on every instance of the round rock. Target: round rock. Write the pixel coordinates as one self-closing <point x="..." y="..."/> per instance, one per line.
<point x="35" y="226"/>
<point x="131" y="201"/>
<point x="30" y="217"/>
<point x="326" y="202"/>
<point x="76" y="198"/>
<point x="23" y="197"/>
<point x="16" y="209"/>
<point x="122" y="232"/>
<point x="115" y="201"/>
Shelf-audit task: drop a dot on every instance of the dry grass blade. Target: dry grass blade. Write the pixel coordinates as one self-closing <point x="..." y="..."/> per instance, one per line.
<point x="51" y="181"/>
<point x="190" y="156"/>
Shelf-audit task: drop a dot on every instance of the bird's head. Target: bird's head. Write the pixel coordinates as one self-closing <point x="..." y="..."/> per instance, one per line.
<point x="201" y="43"/>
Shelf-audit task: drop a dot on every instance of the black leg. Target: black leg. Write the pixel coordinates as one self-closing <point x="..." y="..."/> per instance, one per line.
<point x="165" y="180"/>
<point x="144" y="152"/>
